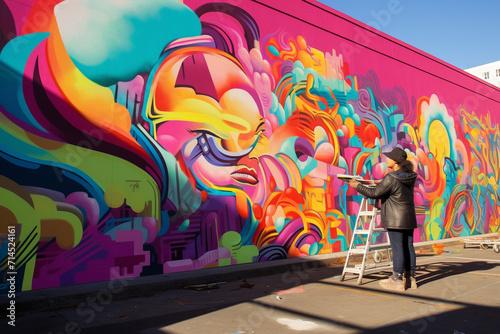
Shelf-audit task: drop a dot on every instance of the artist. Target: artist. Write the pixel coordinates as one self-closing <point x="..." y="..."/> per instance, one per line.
<point x="398" y="216"/>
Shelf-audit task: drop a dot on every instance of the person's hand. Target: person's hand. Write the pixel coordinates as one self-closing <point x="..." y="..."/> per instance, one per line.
<point x="353" y="183"/>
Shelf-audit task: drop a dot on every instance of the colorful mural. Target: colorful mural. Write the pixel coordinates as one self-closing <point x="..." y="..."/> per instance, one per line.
<point x="180" y="136"/>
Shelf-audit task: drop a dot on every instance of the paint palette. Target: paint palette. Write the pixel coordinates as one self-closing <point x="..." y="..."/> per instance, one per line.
<point x="347" y="178"/>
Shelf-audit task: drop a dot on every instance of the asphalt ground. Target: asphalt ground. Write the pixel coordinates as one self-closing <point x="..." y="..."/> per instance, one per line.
<point x="458" y="293"/>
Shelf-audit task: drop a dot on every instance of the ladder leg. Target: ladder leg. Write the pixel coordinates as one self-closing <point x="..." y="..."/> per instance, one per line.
<point x="342" y="277"/>
<point x="363" y="265"/>
<point x="351" y="245"/>
<point x="373" y="219"/>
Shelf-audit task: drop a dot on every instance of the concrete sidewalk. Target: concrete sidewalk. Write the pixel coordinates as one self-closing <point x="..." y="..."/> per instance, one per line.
<point x="457" y="288"/>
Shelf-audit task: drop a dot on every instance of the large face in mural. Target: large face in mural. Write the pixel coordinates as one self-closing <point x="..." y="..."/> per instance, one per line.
<point x="204" y="110"/>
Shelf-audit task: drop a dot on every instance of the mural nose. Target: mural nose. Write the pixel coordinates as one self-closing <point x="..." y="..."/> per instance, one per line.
<point x="260" y="148"/>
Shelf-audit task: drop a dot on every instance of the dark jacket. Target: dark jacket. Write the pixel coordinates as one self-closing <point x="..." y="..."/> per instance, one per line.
<point x="396" y="194"/>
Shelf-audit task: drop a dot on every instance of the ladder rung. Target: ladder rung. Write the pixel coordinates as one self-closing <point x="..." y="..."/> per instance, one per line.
<point x="357" y="250"/>
<point x="375" y="231"/>
<point x="369" y="269"/>
<point x="378" y="265"/>
<point x="360" y="249"/>
<point x="367" y="213"/>
<point x="373" y="246"/>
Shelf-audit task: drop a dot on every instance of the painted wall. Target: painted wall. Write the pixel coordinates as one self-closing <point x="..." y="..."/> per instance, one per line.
<point x="141" y="140"/>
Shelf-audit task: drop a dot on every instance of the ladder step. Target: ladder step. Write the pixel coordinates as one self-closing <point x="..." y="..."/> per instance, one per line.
<point x="375" y="231"/>
<point x="371" y="246"/>
<point x="357" y="250"/>
<point x="367" y="213"/>
<point x="352" y="270"/>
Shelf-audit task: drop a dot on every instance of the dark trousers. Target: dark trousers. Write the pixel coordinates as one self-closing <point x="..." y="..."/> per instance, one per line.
<point x="403" y="253"/>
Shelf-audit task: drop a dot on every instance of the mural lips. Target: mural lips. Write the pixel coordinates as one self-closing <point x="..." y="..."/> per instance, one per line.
<point x="245" y="175"/>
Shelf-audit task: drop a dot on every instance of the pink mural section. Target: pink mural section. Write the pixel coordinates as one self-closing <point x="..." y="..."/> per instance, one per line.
<point x="180" y="136"/>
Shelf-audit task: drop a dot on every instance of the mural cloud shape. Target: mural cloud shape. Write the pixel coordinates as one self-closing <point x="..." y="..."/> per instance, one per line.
<point x="115" y="40"/>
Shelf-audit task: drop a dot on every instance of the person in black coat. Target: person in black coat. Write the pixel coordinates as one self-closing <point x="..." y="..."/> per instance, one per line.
<point x="395" y="191"/>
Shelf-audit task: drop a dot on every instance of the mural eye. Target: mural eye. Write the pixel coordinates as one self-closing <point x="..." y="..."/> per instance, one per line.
<point x="211" y="149"/>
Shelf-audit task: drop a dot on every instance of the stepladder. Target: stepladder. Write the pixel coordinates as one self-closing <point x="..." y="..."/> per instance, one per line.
<point x="364" y="231"/>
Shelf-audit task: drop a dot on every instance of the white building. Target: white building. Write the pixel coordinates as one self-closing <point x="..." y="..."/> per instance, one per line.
<point x="488" y="72"/>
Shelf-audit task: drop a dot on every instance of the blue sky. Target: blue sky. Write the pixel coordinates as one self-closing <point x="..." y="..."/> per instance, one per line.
<point x="462" y="33"/>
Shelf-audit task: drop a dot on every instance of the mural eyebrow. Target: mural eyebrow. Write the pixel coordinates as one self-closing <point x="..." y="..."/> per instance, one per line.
<point x="259" y="126"/>
<point x="206" y="132"/>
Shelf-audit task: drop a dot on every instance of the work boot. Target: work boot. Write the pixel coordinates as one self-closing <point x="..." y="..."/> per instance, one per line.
<point x="409" y="280"/>
<point x="394" y="282"/>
